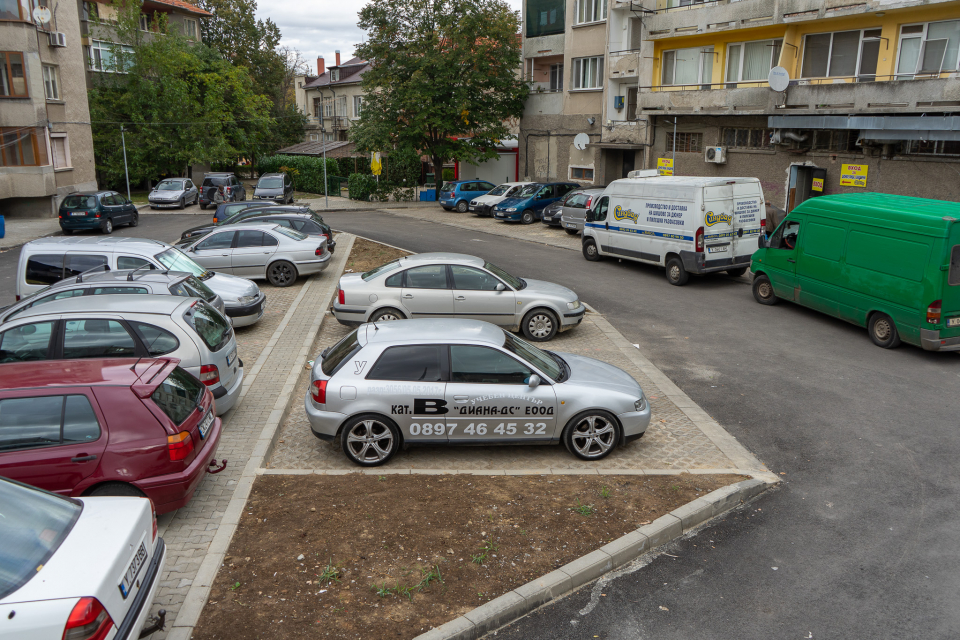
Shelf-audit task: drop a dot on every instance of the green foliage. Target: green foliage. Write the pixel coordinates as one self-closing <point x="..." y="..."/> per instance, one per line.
<point x="404" y="167"/>
<point x="444" y="78"/>
<point x="447" y="174"/>
<point x="583" y="509"/>
<point x="361" y="186"/>
<point x="306" y="172"/>
<point x="330" y="573"/>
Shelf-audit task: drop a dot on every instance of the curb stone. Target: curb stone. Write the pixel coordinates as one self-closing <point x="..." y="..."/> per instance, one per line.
<point x="524" y="599"/>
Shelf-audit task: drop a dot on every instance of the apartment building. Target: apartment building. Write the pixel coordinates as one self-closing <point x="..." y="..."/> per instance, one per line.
<point x="332" y="100"/>
<point x="872" y="100"/>
<point x="46" y="147"/>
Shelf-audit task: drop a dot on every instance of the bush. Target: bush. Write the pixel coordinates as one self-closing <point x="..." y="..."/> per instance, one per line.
<point x="361" y="186"/>
<point x="448" y="174"/>
<point x="305" y="171"/>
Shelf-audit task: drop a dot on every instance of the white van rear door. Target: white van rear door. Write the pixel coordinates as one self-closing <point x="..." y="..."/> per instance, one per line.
<point x="748" y="212"/>
<point x="719" y="223"/>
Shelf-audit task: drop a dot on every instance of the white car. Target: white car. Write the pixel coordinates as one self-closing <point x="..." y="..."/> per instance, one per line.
<point x="77" y="568"/>
<point x="483" y="205"/>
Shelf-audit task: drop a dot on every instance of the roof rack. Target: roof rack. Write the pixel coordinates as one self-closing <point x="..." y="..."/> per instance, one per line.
<point x="104" y="267"/>
<point x="147" y="266"/>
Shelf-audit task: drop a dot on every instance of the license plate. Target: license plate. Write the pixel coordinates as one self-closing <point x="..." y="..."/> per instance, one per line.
<point x="716" y="249"/>
<point x="78" y="213"/>
<point x="571" y="226"/>
<point x="473" y="208"/>
<point x="139" y="559"/>
<point x="204" y="425"/>
<point x="953" y="322"/>
<point x="231" y="357"/>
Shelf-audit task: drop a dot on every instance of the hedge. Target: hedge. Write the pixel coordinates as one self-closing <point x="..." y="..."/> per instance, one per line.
<point x="306" y="171"/>
<point x="361" y="186"/>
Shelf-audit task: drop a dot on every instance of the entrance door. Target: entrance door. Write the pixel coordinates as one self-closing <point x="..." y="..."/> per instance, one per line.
<point x="805" y="183"/>
<point x="629" y="156"/>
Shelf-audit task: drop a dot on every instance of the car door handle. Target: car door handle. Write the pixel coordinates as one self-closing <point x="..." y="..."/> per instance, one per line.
<point x="225" y="255"/>
<point x="408" y="295"/>
<point x="461" y="398"/>
<point x="460" y="298"/>
<point x="791" y="260"/>
<point x="83" y="458"/>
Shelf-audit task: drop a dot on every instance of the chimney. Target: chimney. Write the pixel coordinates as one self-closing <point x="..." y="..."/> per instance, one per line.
<point x="320" y="68"/>
<point x="338" y="57"/>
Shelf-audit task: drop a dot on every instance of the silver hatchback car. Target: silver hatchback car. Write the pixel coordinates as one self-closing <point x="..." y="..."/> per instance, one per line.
<point x="574" y="212"/>
<point x="466" y="382"/>
<point x="122" y="326"/>
<point x="456" y="286"/>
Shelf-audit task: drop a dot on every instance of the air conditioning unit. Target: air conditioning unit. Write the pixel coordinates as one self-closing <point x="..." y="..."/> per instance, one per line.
<point x="717" y="155"/>
<point x="57" y="39"/>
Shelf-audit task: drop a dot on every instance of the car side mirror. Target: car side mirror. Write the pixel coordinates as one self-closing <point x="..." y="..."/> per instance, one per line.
<point x="533" y="381"/>
<point x="763" y="242"/>
<point x="500" y="286"/>
<point x="589" y="216"/>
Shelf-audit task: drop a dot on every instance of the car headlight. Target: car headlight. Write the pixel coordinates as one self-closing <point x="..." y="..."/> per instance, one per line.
<point x="247" y="299"/>
<point x="640" y="404"/>
<point x="573" y="305"/>
<point x="511" y="209"/>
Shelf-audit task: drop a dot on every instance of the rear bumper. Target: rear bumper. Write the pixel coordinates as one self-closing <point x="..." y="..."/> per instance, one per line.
<point x="314" y="266"/>
<point x="139" y="610"/>
<point x="79" y="224"/>
<point x="226" y="401"/>
<point x="931" y="341"/>
<point x="696" y="262"/>
<point x="323" y="424"/>
<point x="349" y="317"/>
<point x="571" y="224"/>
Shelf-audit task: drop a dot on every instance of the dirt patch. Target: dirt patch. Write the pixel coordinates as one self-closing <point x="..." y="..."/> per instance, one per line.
<point x="367" y="254"/>
<point x="377" y="557"/>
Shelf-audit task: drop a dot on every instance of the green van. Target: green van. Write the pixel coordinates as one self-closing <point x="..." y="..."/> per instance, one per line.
<point x="889" y="263"/>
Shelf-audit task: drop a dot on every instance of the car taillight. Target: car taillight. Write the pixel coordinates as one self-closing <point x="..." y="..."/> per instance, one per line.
<point x="763" y="223"/>
<point x="700" y="240"/>
<point x="933" y="312"/>
<point x="180" y="446"/>
<point x="589" y="202"/>
<point x="88" y="621"/>
<point x="319" y="393"/>
<point x="341" y="297"/>
<point x="209" y="374"/>
<point x="319" y="251"/>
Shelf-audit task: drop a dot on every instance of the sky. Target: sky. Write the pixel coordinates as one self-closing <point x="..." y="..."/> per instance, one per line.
<point x="319" y="29"/>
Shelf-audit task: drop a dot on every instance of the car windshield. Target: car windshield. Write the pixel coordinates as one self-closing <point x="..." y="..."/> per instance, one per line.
<point x="448" y="186"/>
<point x="529" y="190"/>
<point x="270" y="183"/>
<point x="513" y="281"/>
<point x="170" y="185"/>
<point x="207" y="322"/>
<point x="537" y="357"/>
<point x="34" y="523"/>
<point x="340" y="353"/>
<point x="290" y="233"/>
<point x="178" y="395"/>
<point x="499" y="191"/>
<point x="384" y="268"/>
<point x="79" y="202"/>
<point x="175" y="260"/>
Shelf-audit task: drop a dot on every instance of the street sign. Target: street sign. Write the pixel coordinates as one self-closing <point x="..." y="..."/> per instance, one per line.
<point x="665" y="166"/>
<point x="853" y="175"/>
<point x="376" y="167"/>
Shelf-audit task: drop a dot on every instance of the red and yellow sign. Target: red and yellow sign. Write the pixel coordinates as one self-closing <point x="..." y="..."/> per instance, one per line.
<point x="817" y="184"/>
<point x="665" y="166"/>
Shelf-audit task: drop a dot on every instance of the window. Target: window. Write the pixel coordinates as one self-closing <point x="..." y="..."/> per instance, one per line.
<point x="96" y="338"/>
<point x="247" y="239"/>
<point x="841" y="54"/>
<point x="934" y="147"/>
<point x="51" y="82"/>
<point x="556" y="77"/>
<point x="212" y="327"/>
<point x="10" y="10"/>
<point x="752" y="61"/>
<point x="79" y="422"/>
<point x="588" y="73"/>
<point x="116" y="291"/>
<point x="314" y="137"/>
<point x="545" y="17"/>
<point x="390" y="266"/>
<point x="335" y="75"/>
<point x="433" y="276"/>
<point x="339" y="354"/>
<point x="396" y="280"/>
<point x="158" y="341"/>
<point x="581" y="173"/>
<point x="470" y="279"/>
<point x="28" y="423"/>
<point x="357" y="106"/>
<point x="218" y="241"/>
<point x="954" y="276"/>
<point x="77" y="263"/>
<point x="90" y="11"/>
<point x="23" y="147"/>
<point x="685" y="142"/>
<point x="414" y="363"/>
<point x="834" y="140"/>
<point x="785" y="237"/>
<point x="190" y="28"/>
<point x="543" y="360"/>
<point x="60" y="148"/>
<point x="746" y="138"/>
<point x="590" y="11"/>
<point x="44" y="269"/>
<point x="178" y="395"/>
<point x="101" y="56"/>
<point x="144" y="23"/>
<point x="483" y="365"/>
<point x="687" y="66"/>
<point x="129" y="262"/>
<point x="929" y="48"/>
<point x="191" y="287"/>
<point x="13" y="78"/>
<point x="26" y="343"/>
<point x="61" y="295"/>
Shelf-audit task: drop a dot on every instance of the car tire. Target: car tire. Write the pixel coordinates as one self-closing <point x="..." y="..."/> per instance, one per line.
<point x="461" y="207"/>
<point x="590" y="251"/>
<point x="572" y="232"/>
<point x="66" y="232"/>
<point x="281" y="273"/>
<point x="182" y="204"/>
<point x="388" y="314"/>
<point x="763" y="291"/>
<point x="362" y="439"/>
<point x="540" y="325"/>
<point x="591" y="435"/>
<point x="527" y="217"/>
<point x="203" y="207"/>
<point x="676" y="274"/>
<point x="121" y="489"/>
<point x="736" y="273"/>
<point x="153" y="207"/>
<point x="107" y="226"/>
<point x="883" y="331"/>
<point x="135" y="219"/>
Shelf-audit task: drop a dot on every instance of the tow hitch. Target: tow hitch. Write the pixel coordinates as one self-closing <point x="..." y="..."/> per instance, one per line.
<point x="154" y="623"/>
<point x="213" y="463"/>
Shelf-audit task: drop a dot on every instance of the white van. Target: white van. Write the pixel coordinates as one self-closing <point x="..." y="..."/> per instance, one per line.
<point x="688" y="225"/>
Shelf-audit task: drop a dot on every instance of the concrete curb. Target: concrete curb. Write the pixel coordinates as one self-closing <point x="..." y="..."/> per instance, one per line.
<point x="524" y="599"/>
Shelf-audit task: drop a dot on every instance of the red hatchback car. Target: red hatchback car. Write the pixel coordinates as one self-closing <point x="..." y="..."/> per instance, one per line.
<point x="102" y="427"/>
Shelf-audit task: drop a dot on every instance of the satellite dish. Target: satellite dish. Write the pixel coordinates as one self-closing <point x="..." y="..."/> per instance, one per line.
<point x="580" y="141"/>
<point x="779" y="79"/>
<point x="41" y="15"/>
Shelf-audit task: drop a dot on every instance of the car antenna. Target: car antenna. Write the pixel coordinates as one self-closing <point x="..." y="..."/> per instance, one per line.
<point x="134" y="367"/>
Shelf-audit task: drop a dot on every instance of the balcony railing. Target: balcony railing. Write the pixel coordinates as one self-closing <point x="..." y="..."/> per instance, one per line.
<point x="701" y="86"/>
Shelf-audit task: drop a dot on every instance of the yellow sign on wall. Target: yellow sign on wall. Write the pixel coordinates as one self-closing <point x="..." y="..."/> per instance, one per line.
<point x="817" y="184"/>
<point x="853" y="175"/>
<point x="665" y="166"/>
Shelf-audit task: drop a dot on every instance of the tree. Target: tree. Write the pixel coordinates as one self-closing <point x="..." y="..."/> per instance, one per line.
<point x="444" y="77"/>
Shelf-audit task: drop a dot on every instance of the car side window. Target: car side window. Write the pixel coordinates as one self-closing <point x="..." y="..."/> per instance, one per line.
<point x="600" y="210"/>
<point x="247" y="239"/>
<point x="157" y="341"/>
<point x="269" y="240"/>
<point x="109" y="291"/>
<point x="486" y="186"/>
<point x="79" y="421"/>
<point x="483" y="365"/>
<point x="544" y="193"/>
<point x="218" y="241"/>
<point x="470" y="279"/>
<point x="785" y="237"/>
<point x="29" y="423"/>
<point x="26" y="343"/>
<point x="60" y="295"/>
<point x="130" y="262"/>
<point x="283" y="222"/>
<point x="432" y="276"/>
<point x="78" y="263"/>
<point x="44" y="269"/>
<point x="396" y="280"/>
<point x="96" y="338"/>
<point x="413" y="363"/>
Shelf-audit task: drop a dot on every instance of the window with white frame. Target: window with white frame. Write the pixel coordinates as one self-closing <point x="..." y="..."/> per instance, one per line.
<point x="101" y="56"/>
<point x="752" y="61"/>
<point x="929" y="48"/>
<point x="687" y="66"/>
<point x="60" y="148"/>
<point x="357" y="106"/>
<point x="314" y="137"/>
<point x="335" y="75"/>
<point x="590" y="11"/>
<point x="556" y="77"/>
<point x="841" y="54"/>
<point x="51" y="82"/>
<point x="190" y="28"/>
<point x="588" y="73"/>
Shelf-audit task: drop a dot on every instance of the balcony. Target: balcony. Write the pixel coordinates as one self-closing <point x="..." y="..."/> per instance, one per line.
<point x="625" y="64"/>
<point x="548" y="103"/>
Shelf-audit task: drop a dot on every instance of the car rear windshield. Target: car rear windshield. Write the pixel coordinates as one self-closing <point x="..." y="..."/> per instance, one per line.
<point x="270" y="183"/>
<point x="384" y="268"/>
<point x="192" y="288"/>
<point x="178" y="395"/>
<point x="79" y="202"/>
<point x="954" y="275"/>
<point x="340" y="353"/>
<point x="176" y="260"/>
<point x="215" y="182"/>
<point x="537" y="357"/>
<point x="34" y="523"/>
<point x="448" y="186"/>
<point x="170" y="186"/>
<point x="212" y="327"/>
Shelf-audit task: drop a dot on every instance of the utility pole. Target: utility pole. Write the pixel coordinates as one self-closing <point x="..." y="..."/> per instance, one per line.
<point x="125" y="170"/>
<point x="326" y="198"/>
<point x="674" y="161"/>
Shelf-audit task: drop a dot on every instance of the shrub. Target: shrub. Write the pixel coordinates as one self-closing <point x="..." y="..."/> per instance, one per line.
<point x="361" y="186"/>
<point x="448" y="174"/>
<point x="305" y="171"/>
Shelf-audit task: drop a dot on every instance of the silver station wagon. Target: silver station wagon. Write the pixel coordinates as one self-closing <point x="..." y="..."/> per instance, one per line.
<point x="464" y="382"/>
<point x="458" y="286"/>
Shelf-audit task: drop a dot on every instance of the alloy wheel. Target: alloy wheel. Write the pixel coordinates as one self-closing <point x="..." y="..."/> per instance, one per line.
<point x="593" y="436"/>
<point x="370" y="441"/>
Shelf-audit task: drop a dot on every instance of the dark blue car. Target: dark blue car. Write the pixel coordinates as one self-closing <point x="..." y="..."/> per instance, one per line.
<point x="528" y="206"/>
<point x="96" y="210"/>
<point x="457" y="194"/>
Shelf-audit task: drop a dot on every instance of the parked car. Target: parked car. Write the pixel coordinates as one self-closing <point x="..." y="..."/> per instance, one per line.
<point x="49" y="260"/>
<point x="459" y="286"/>
<point x="261" y="250"/>
<point x="141" y="326"/>
<point x="277" y="187"/>
<point x="528" y="205"/>
<point x="85" y="568"/>
<point x="96" y="210"/>
<point x="457" y="194"/>
<point x="126" y="282"/>
<point x="228" y="209"/>
<point x="466" y="382"/>
<point x="174" y="192"/>
<point x="299" y="217"/>
<point x="574" y="209"/>
<point x="885" y="262"/>
<point x="107" y="427"/>
<point x="483" y="205"/>
<point x="221" y="187"/>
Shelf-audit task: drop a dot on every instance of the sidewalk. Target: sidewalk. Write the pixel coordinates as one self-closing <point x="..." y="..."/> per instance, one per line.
<point x="346" y="204"/>
<point x="19" y="231"/>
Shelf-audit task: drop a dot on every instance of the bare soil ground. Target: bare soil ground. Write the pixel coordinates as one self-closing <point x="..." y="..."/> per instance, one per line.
<point x="378" y="557"/>
<point x="366" y="255"/>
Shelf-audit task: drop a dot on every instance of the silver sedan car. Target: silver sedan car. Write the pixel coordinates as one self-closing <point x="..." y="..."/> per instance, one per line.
<point x="259" y="250"/>
<point x="456" y="286"/>
<point x="174" y="192"/>
<point x="465" y="382"/>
